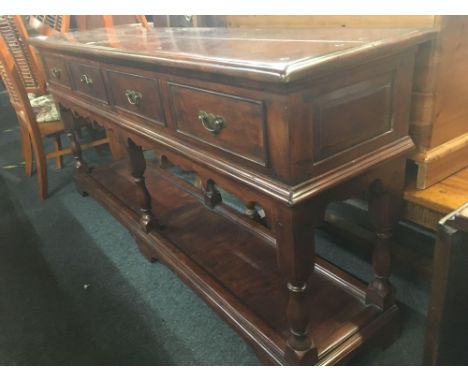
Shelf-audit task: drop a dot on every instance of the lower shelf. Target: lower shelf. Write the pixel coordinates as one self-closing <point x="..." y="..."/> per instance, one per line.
<point x="233" y="268"/>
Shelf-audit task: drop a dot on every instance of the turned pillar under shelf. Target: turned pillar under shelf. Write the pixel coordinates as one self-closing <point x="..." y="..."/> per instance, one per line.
<point x="295" y="229"/>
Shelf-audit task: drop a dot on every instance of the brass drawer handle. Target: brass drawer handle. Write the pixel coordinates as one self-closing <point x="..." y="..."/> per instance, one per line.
<point x="86" y="80"/>
<point x="211" y="122"/>
<point x="55" y="73"/>
<point x="133" y="97"/>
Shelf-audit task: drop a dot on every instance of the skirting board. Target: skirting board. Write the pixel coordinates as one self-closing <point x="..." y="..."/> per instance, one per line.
<point x="440" y="162"/>
<point x="427" y="207"/>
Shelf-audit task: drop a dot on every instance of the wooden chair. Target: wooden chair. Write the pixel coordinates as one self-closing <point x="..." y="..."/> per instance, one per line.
<point x="35" y="124"/>
<point x="14" y="32"/>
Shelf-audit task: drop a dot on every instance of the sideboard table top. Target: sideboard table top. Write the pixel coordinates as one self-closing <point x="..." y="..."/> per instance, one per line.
<point x="268" y="54"/>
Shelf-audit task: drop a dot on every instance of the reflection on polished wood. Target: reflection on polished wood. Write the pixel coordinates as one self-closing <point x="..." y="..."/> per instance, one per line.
<point x="269" y="54"/>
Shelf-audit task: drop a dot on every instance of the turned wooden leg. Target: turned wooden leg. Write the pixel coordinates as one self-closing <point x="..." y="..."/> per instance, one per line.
<point x="384" y="208"/>
<point x="70" y="128"/>
<point x="296" y="253"/>
<point x="137" y="169"/>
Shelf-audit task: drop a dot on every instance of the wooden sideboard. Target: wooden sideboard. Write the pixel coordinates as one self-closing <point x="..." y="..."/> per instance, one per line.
<point x="285" y="120"/>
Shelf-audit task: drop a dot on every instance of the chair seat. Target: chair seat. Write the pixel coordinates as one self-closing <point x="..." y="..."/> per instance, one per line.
<point x="44" y="108"/>
<point x="51" y="128"/>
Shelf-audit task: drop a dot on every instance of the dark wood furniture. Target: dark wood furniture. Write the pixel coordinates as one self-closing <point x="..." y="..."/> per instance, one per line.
<point x="447" y="322"/>
<point x="285" y="120"/>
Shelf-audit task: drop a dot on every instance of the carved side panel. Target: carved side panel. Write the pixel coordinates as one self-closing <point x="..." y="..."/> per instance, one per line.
<point x="352" y="116"/>
<point x="341" y="120"/>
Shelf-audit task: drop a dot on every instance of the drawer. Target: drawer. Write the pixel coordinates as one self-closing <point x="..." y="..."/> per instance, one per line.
<point x="87" y="80"/>
<point x="57" y="72"/>
<point x="136" y="94"/>
<point x="233" y="124"/>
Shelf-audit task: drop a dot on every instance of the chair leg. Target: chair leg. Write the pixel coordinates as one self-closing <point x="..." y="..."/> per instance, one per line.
<point x="58" y="147"/>
<point x="39" y="157"/>
<point x="26" y="150"/>
<point x="41" y="166"/>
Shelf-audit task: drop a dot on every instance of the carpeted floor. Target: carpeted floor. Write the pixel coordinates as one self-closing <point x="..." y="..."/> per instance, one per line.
<point x="75" y="291"/>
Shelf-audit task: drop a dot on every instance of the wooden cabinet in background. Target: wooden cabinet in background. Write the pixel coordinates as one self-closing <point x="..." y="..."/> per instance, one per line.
<point x="440" y="112"/>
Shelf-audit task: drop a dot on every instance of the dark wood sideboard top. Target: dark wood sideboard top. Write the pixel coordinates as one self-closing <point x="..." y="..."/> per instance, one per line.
<point x="265" y="54"/>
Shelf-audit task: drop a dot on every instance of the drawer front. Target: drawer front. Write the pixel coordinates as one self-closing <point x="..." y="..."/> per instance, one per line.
<point x="230" y="123"/>
<point x="57" y="71"/>
<point x="136" y="94"/>
<point x="87" y="80"/>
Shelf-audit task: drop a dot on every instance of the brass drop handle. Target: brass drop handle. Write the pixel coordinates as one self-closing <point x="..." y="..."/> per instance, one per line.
<point x="55" y="73"/>
<point x="211" y="122"/>
<point x="133" y="97"/>
<point x="86" y="80"/>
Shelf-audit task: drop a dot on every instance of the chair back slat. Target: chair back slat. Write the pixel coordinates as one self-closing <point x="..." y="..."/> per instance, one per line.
<point x="14" y="33"/>
<point x="14" y="97"/>
<point x="12" y="79"/>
